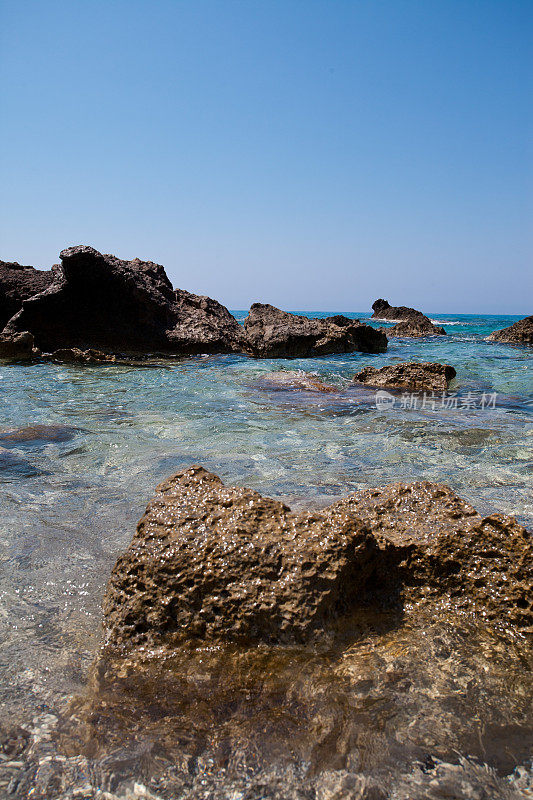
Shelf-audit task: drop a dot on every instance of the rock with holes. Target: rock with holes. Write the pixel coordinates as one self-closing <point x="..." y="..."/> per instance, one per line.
<point x="426" y="376"/>
<point x="216" y="562"/>
<point x="520" y="332"/>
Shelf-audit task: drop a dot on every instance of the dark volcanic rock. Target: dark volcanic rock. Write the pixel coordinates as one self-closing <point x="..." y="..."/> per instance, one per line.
<point x="426" y="376"/>
<point x="444" y="550"/>
<point x="100" y="301"/>
<point x="272" y="333"/>
<point x="410" y="321"/>
<point x="17" y="345"/>
<point x="520" y="332"/>
<point x="217" y="562"/>
<point x="17" y="283"/>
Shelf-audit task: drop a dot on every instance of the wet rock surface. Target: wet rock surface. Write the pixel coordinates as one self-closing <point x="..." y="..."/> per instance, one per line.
<point x="295" y="380"/>
<point x="217" y="562"/>
<point x="445" y="551"/>
<point x="410" y="321"/>
<point x="100" y="301"/>
<point x="73" y="355"/>
<point x="272" y="333"/>
<point x="17" y="283"/>
<point x="18" y="346"/>
<point x="425" y="376"/>
<point x="520" y="332"/>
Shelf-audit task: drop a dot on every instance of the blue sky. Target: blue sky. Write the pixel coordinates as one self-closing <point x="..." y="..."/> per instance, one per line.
<point x="313" y="154"/>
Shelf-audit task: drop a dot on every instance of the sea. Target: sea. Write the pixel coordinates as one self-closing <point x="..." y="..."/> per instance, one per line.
<point x="101" y="437"/>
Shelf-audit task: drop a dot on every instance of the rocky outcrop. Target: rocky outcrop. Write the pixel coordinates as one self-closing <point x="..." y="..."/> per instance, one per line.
<point x="445" y="551"/>
<point x="223" y="563"/>
<point x="100" y="301"/>
<point x="520" y="332"/>
<point x="426" y="376"/>
<point x="410" y="321"/>
<point x="17" y="346"/>
<point x="17" y="283"/>
<point x="271" y="333"/>
<point x="415" y="329"/>
<point x="216" y="562"/>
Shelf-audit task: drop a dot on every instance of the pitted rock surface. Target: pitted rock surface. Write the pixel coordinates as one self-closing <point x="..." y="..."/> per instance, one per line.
<point x="17" y="283"/>
<point x="209" y="561"/>
<point x="444" y="549"/>
<point x="415" y="328"/>
<point x="272" y="333"/>
<point x="426" y="376"/>
<point x="520" y="332"/>
<point x="100" y="301"/>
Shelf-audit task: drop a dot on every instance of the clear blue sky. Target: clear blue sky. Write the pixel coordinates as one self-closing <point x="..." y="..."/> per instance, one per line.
<point x="315" y="154"/>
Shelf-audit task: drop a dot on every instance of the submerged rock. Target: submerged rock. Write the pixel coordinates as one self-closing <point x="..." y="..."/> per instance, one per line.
<point x="295" y="380"/>
<point x="37" y="433"/>
<point x="426" y="376"/>
<point x="520" y="332"/>
<point x="17" y="283"/>
<point x="410" y="321"/>
<point x="100" y="301"/>
<point x="272" y="333"/>
<point x="445" y="551"/>
<point x="210" y="561"/>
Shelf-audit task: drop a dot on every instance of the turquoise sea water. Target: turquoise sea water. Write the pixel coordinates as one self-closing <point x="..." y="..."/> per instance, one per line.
<point x="71" y="497"/>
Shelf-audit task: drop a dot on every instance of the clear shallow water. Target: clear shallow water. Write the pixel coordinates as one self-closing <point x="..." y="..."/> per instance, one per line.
<point x="70" y="500"/>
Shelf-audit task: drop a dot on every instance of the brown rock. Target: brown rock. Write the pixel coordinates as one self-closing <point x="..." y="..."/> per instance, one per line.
<point x="445" y="550"/>
<point x="17" y="283"/>
<point x="272" y="333"/>
<point x="426" y="376"/>
<point x="16" y="346"/>
<point x="410" y="321"/>
<point x="217" y="562"/>
<point x="100" y="301"/>
<point x="75" y="355"/>
<point x="520" y="332"/>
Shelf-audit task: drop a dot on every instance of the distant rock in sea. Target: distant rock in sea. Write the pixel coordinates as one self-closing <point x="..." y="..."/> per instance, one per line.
<point x="272" y="333"/>
<point x="425" y="376"/>
<point x="520" y="332"/>
<point x="410" y="321"/>
<point x="17" y="283"/>
<point x="100" y="301"/>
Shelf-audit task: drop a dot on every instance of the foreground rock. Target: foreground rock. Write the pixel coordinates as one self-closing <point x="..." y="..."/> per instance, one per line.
<point x="520" y="332"/>
<point x="73" y="355"/>
<point x="17" y="283"/>
<point x="215" y="562"/>
<point x="444" y="550"/>
<point x="410" y="321"/>
<point x="99" y="301"/>
<point x="272" y="333"/>
<point x="210" y="561"/>
<point x="426" y="376"/>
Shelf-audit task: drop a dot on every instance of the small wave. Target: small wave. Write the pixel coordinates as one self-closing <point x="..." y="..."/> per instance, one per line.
<point x="452" y="322"/>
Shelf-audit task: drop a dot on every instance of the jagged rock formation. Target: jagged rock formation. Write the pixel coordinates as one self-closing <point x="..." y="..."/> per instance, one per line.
<point x="410" y="321"/>
<point x="520" y="332"/>
<point x="100" y="301"/>
<point x="17" y="283"/>
<point x="215" y="562"/>
<point x="425" y="376"/>
<point x="271" y="333"/>
<point x="17" y="346"/>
